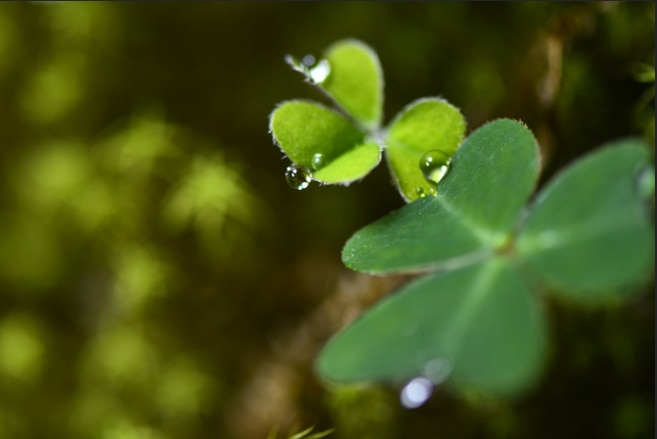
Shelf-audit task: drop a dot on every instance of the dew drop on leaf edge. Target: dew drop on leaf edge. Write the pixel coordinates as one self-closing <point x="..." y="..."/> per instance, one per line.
<point x="416" y="392"/>
<point x="434" y="165"/>
<point x="318" y="161"/>
<point x="298" y="177"/>
<point x="308" y="60"/>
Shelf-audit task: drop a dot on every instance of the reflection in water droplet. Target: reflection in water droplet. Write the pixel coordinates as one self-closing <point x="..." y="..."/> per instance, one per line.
<point x="320" y="72"/>
<point x="434" y="165"/>
<point x="416" y="392"/>
<point x="437" y="369"/>
<point x="298" y="177"/>
<point x="422" y="192"/>
<point x="318" y="161"/>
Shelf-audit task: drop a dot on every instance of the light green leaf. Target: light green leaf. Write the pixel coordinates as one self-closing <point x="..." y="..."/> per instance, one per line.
<point x="355" y="81"/>
<point x="323" y="141"/>
<point x="430" y="124"/>
<point x="589" y="233"/>
<point x="351" y="165"/>
<point x="479" y="326"/>
<point x="474" y="213"/>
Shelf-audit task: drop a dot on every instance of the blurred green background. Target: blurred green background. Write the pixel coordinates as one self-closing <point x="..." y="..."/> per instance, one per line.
<point x="159" y="279"/>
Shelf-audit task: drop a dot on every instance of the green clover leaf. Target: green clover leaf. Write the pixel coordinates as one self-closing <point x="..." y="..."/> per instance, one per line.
<point x="324" y="142"/>
<point x="476" y="299"/>
<point x="491" y="177"/>
<point x="588" y="234"/>
<point x="426" y="126"/>
<point x="479" y="327"/>
<point x="475" y="319"/>
<point x="343" y="145"/>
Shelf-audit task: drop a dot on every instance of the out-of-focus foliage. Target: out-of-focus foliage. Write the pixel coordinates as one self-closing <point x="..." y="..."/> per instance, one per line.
<point x="153" y="258"/>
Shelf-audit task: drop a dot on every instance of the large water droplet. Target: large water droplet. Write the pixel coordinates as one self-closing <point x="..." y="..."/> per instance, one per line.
<point x="416" y="392"/>
<point x="318" y="161"/>
<point x="320" y="72"/>
<point x="434" y="165"/>
<point x="298" y="177"/>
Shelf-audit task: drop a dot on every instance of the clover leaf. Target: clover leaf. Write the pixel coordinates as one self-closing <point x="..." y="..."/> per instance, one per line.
<point x="588" y="234"/>
<point x="475" y="319"/>
<point x="425" y="127"/>
<point x="478" y="326"/>
<point x="343" y="145"/>
<point x="323" y="141"/>
<point x="355" y="81"/>
<point x="480" y="199"/>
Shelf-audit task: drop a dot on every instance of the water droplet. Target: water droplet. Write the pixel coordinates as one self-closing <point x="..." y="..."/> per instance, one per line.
<point x="318" y="161"/>
<point x="308" y="60"/>
<point x="423" y="192"/>
<point x="320" y="72"/>
<point x="437" y="369"/>
<point x="434" y="165"/>
<point x="416" y="392"/>
<point x="298" y="177"/>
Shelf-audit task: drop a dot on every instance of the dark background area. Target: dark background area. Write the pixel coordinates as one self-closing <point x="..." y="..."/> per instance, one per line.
<point x="159" y="279"/>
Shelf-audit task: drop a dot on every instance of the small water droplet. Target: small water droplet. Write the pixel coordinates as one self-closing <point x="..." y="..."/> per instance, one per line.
<point x="434" y="165"/>
<point x="298" y="177"/>
<point x="416" y="392"/>
<point x="437" y="369"/>
<point x="308" y="60"/>
<point x="423" y="192"/>
<point x="318" y="161"/>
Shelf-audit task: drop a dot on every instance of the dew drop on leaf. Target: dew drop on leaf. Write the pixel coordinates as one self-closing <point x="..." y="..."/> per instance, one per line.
<point x="434" y="165"/>
<point x="416" y="392"/>
<point x="298" y="177"/>
<point x="318" y="161"/>
<point x="308" y="60"/>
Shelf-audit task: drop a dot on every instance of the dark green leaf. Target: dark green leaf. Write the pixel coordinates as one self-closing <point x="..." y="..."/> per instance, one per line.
<point x="479" y="323"/>
<point x="589" y="232"/>
<point x="476" y="208"/>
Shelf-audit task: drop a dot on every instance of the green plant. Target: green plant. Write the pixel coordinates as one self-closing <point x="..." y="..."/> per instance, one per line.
<point x="475" y="317"/>
<point x="341" y="145"/>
